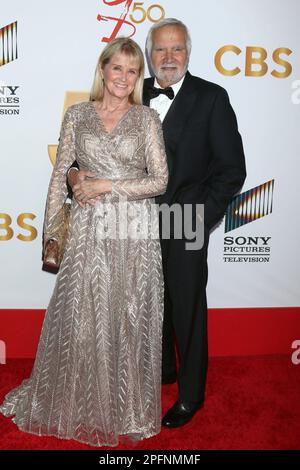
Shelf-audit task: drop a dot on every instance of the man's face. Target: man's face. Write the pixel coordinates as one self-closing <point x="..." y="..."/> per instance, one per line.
<point x="169" y="55"/>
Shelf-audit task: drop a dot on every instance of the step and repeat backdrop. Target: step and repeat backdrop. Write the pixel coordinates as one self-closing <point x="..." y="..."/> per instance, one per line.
<point x="48" y="54"/>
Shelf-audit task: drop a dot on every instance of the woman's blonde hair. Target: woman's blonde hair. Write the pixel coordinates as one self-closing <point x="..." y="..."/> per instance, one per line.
<point x="124" y="46"/>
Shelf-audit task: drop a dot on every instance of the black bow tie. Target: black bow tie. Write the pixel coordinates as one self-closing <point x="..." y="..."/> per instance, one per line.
<point x="154" y="92"/>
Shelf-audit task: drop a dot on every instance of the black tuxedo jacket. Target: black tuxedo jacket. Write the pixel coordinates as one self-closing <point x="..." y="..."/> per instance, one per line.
<point x="204" y="148"/>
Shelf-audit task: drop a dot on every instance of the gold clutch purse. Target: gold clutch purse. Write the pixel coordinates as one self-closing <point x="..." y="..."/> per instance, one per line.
<point x="56" y="241"/>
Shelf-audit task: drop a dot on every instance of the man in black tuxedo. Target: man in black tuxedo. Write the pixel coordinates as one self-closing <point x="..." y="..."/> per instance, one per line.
<point x="206" y="166"/>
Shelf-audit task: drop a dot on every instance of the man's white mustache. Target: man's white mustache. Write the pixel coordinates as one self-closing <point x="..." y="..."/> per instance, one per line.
<point x="168" y="65"/>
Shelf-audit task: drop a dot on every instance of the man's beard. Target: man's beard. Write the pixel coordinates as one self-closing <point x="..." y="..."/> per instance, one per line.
<point x="173" y="78"/>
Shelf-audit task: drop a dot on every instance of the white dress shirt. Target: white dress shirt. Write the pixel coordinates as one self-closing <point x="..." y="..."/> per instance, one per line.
<point x="162" y="103"/>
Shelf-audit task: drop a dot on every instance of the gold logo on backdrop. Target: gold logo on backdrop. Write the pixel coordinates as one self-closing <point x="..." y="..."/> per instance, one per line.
<point x="6" y="222"/>
<point x="148" y="13"/>
<point x="255" y="61"/>
<point x="71" y="97"/>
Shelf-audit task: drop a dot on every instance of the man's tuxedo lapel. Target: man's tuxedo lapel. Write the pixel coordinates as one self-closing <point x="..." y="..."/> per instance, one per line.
<point x="179" y="110"/>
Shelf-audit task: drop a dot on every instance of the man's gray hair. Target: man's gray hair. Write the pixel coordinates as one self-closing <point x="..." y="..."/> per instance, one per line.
<point x="161" y="24"/>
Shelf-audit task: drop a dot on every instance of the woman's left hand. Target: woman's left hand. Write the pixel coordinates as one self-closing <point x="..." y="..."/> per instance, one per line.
<point x="91" y="188"/>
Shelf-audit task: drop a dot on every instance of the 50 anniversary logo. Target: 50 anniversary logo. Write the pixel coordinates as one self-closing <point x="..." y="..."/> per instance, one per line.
<point x="139" y="14"/>
<point x="130" y="13"/>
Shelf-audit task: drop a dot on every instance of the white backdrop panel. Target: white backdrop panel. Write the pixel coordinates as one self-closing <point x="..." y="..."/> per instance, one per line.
<point x="58" y="46"/>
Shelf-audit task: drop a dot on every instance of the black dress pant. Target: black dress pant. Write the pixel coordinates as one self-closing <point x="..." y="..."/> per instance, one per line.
<point x="185" y="317"/>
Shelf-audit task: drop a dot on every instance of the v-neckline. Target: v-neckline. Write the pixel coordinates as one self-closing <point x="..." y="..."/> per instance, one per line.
<point x="100" y="120"/>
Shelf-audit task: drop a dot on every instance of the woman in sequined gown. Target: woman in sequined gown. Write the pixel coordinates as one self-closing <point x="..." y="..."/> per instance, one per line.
<point x="97" y="371"/>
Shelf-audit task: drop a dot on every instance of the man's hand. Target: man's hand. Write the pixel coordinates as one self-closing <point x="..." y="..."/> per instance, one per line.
<point x="76" y="177"/>
<point x="91" y="189"/>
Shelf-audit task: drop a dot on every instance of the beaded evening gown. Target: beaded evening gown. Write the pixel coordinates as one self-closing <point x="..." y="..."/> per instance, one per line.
<point x="97" y="372"/>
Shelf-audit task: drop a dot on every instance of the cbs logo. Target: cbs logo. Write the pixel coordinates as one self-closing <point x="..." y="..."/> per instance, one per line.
<point x="5" y="225"/>
<point x="255" y="64"/>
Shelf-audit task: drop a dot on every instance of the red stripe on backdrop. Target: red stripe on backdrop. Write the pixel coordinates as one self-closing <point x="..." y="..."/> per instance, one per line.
<point x="232" y="332"/>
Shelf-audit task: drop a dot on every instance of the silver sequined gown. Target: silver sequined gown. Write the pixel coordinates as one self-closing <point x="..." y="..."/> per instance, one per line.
<point x="97" y="371"/>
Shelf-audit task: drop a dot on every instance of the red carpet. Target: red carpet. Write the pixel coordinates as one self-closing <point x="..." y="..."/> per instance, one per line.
<point x="252" y="403"/>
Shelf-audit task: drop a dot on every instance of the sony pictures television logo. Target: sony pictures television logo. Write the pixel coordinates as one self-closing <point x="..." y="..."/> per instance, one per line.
<point x="9" y="100"/>
<point x="243" y="209"/>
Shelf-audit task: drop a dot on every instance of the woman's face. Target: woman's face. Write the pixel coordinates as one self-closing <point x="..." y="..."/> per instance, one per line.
<point x="120" y="75"/>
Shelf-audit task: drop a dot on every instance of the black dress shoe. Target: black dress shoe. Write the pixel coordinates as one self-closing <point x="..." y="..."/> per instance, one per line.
<point x="180" y="413"/>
